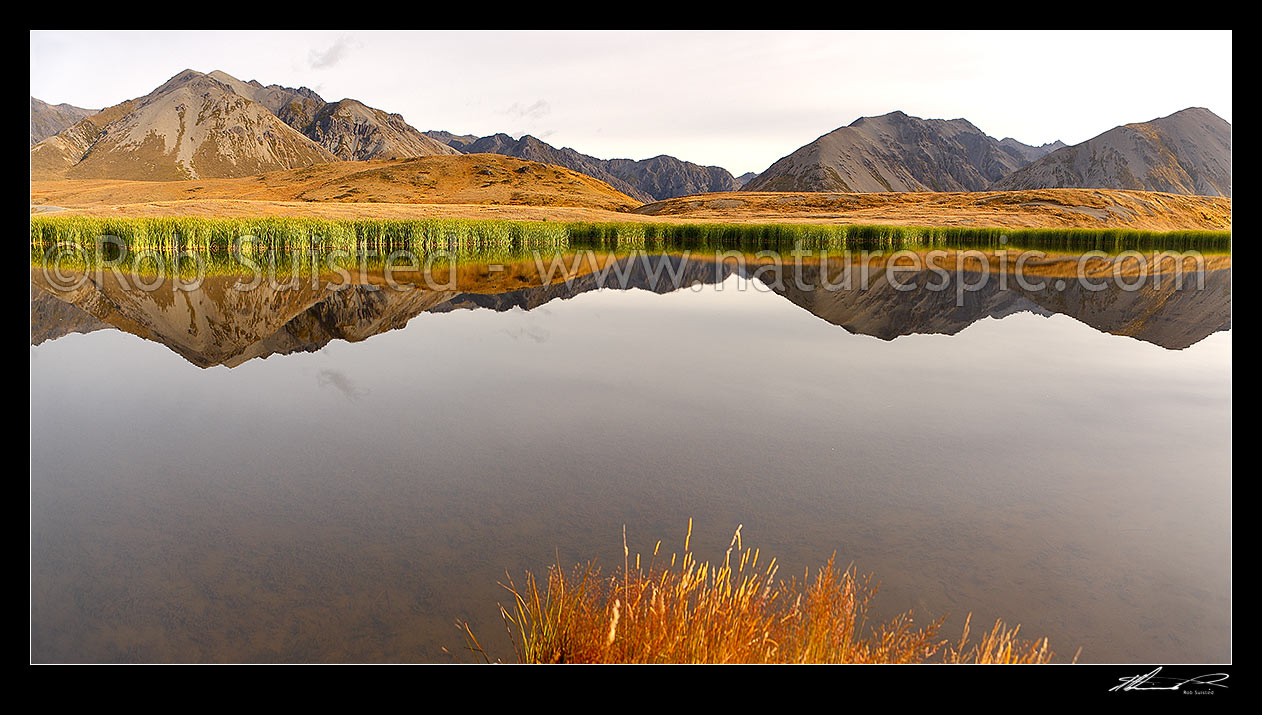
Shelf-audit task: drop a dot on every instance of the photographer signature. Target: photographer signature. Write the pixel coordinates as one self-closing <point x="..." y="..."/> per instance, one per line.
<point x="1153" y="681"/>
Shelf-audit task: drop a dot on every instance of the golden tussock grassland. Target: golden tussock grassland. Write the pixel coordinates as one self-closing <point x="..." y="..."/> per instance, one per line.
<point x="488" y="186"/>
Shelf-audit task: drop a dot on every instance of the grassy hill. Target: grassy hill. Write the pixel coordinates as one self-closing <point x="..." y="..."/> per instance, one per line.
<point x="456" y="179"/>
<point x="1044" y="208"/>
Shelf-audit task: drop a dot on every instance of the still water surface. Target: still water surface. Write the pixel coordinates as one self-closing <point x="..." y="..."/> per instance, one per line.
<point x="340" y="476"/>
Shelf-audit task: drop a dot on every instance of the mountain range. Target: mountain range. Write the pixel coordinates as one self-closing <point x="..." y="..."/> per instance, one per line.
<point x="662" y="177"/>
<point x="1188" y="152"/>
<point x="212" y="125"/>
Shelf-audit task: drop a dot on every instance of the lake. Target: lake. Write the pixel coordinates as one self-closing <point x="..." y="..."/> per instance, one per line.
<point x="314" y="472"/>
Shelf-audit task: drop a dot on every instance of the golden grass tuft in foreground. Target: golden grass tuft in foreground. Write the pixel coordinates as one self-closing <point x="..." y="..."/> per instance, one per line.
<point x="689" y="611"/>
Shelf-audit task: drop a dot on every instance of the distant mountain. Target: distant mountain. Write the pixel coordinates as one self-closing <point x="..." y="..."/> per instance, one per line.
<point x="50" y="119"/>
<point x="216" y="126"/>
<point x="897" y="152"/>
<point x="1188" y="152"/>
<point x="455" y="141"/>
<point x="745" y="178"/>
<point x="53" y="157"/>
<point x="193" y="126"/>
<point x="662" y="177"/>
<point x="1026" y="153"/>
<point x="533" y="149"/>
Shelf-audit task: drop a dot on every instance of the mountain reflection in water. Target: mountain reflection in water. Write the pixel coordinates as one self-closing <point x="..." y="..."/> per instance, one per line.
<point x="217" y="324"/>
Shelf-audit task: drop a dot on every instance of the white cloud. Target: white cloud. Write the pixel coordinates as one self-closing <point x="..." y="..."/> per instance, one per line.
<point x="537" y="110"/>
<point x="330" y="56"/>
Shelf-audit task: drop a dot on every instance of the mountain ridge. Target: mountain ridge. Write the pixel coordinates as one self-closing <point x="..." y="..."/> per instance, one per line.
<point x="353" y="131"/>
<point x="1188" y="152"/>
<point x="50" y="119"/>
<point x="896" y="152"/>
<point x="660" y="177"/>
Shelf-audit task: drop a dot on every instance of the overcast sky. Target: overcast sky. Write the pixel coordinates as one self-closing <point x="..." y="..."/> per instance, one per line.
<point x="739" y="100"/>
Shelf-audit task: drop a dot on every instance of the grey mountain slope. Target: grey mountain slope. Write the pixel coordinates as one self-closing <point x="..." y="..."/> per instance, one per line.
<point x="295" y="107"/>
<point x="348" y="128"/>
<point x="50" y="119"/>
<point x="1188" y="152"/>
<point x="353" y="131"/>
<point x="896" y="152"/>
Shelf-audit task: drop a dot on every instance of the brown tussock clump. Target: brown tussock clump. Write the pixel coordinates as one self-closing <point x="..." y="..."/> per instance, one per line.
<point x="683" y="610"/>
